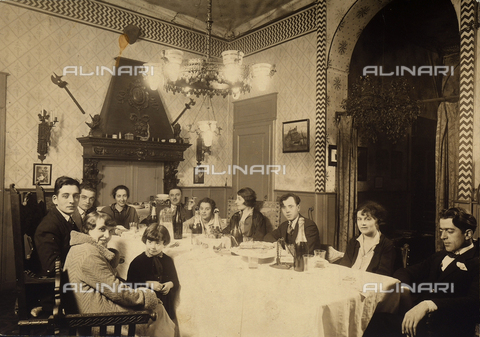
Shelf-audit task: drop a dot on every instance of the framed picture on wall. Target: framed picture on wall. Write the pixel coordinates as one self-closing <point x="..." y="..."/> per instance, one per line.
<point x="42" y="173"/>
<point x="332" y="155"/>
<point x="296" y="136"/>
<point x="198" y="176"/>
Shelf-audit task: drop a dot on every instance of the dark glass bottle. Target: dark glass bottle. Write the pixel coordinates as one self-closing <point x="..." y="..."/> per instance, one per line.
<point x="301" y="247"/>
<point x="197" y="225"/>
<point x="177" y="224"/>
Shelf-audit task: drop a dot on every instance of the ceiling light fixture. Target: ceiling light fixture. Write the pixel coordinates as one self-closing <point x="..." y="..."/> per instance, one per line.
<point x="207" y="76"/>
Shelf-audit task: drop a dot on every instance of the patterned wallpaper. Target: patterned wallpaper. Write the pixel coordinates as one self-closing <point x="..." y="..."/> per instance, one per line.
<point x="36" y="44"/>
<point x="295" y="84"/>
<point x="33" y="46"/>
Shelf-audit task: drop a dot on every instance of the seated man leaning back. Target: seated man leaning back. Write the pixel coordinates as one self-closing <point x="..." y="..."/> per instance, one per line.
<point x="289" y="230"/>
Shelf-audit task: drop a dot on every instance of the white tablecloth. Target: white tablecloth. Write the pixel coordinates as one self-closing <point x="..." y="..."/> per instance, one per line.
<point x="221" y="296"/>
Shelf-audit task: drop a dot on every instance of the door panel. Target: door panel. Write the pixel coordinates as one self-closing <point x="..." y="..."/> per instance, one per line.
<point x="253" y="134"/>
<point x="142" y="178"/>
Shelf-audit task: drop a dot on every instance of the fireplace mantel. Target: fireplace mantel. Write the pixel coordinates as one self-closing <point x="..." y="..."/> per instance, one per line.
<point x="96" y="149"/>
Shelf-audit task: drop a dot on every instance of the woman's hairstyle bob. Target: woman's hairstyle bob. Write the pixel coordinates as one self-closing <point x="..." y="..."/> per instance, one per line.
<point x="249" y="196"/>
<point x="373" y="209"/>
<point x="92" y="218"/>
<point x="120" y="187"/>
<point x="156" y="232"/>
<point x="208" y="201"/>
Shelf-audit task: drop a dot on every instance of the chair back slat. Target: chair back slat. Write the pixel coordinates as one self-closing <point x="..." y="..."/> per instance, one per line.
<point x="270" y="209"/>
<point x="18" y="251"/>
<point x="82" y="324"/>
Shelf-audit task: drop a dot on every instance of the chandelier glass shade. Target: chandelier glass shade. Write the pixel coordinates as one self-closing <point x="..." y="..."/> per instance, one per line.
<point x="208" y="76"/>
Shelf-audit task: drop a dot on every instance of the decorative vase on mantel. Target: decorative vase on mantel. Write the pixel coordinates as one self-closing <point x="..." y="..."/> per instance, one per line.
<point x="145" y="138"/>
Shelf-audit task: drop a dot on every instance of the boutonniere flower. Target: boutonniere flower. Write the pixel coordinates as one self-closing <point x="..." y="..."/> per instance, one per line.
<point x="461" y="266"/>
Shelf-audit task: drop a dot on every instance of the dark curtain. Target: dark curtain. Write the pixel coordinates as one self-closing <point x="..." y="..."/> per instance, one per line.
<point x="346" y="181"/>
<point x="446" y="160"/>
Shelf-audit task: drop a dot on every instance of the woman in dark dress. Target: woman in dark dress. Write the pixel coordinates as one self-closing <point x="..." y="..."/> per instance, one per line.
<point x="371" y="251"/>
<point x="155" y="267"/>
<point x="247" y="222"/>
<point x="123" y="214"/>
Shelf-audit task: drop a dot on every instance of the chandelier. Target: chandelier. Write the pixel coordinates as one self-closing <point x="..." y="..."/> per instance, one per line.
<point x="207" y="76"/>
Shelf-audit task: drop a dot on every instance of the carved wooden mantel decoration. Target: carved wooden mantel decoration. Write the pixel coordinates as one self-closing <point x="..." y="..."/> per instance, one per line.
<point x="97" y="149"/>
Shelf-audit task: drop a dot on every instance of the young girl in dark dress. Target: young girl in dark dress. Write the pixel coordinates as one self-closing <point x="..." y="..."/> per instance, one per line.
<point x="156" y="268"/>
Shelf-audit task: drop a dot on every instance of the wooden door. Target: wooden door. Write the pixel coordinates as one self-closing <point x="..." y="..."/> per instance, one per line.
<point x="142" y="178"/>
<point x="253" y="135"/>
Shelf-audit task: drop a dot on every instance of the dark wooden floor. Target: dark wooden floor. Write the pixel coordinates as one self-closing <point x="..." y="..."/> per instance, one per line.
<point x="8" y="319"/>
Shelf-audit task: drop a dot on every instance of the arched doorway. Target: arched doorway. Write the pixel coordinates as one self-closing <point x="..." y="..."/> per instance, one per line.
<point x="401" y="174"/>
<point x="339" y="56"/>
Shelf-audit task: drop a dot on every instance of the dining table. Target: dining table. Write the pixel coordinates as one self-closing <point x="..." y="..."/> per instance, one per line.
<point x="222" y="294"/>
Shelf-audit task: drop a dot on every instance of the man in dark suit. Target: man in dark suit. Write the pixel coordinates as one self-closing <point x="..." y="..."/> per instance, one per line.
<point x="85" y="204"/>
<point x="186" y="211"/>
<point x="450" y="305"/>
<point x="52" y="237"/>
<point x="289" y="230"/>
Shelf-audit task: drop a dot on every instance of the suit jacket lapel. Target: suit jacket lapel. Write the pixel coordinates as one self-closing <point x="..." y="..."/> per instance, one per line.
<point x="452" y="267"/>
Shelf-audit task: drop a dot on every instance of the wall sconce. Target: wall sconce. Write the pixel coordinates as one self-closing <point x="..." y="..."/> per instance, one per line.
<point x="205" y="130"/>
<point x="44" y="130"/>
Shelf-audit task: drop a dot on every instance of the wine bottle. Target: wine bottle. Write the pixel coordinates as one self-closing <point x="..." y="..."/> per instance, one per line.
<point x="177" y="224"/>
<point x="197" y="225"/>
<point x="301" y="247"/>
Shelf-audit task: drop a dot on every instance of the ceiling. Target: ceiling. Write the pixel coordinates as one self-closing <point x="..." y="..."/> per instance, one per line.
<point x="231" y="18"/>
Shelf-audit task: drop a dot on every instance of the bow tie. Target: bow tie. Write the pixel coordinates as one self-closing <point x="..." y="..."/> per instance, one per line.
<point x="452" y="255"/>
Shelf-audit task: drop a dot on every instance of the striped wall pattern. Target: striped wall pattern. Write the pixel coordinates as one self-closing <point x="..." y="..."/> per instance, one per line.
<point x="115" y="19"/>
<point x="321" y="97"/>
<point x="467" y="75"/>
<point x="279" y="32"/>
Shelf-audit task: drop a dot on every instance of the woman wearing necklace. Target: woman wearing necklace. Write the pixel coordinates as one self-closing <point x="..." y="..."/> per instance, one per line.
<point x="371" y="251"/>
<point x="247" y="222"/>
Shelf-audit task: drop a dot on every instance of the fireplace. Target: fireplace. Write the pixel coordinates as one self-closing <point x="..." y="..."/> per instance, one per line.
<point x="132" y="126"/>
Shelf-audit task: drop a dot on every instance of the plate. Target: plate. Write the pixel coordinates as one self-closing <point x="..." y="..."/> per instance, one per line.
<point x="258" y="253"/>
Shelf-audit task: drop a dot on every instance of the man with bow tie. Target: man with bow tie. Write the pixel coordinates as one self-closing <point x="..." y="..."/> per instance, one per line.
<point x="289" y="230"/>
<point x="455" y="310"/>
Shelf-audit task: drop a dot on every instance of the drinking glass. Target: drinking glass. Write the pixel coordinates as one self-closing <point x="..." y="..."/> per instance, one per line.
<point x="308" y="263"/>
<point x="320" y="253"/>
<point x="252" y="262"/>
<point x="320" y="261"/>
<point x="134" y="227"/>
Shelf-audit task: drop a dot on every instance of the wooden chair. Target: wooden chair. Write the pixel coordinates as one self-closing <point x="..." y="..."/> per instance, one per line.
<point x="270" y="209"/>
<point x="27" y="211"/>
<point x="82" y="324"/>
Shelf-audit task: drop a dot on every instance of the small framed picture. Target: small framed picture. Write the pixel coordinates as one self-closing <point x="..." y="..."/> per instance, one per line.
<point x="332" y="155"/>
<point x="198" y="176"/>
<point x="42" y="174"/>
<point x="296" y="136"/>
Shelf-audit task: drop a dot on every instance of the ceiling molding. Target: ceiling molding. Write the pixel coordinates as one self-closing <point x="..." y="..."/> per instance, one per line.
<point x="114" y="18"/>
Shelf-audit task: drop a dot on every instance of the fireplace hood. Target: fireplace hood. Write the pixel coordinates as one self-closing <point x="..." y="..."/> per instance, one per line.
<point x="133" y="127"/>
<point x="131" y="107"/>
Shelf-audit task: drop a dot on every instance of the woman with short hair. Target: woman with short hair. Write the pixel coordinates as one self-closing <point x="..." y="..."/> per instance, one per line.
<point x="371" y="251"/>
<point x="120" y="211"/>
<point x="93" y="280"/>
<point x="247" y="222"/>
<point x="206" y="210"/>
